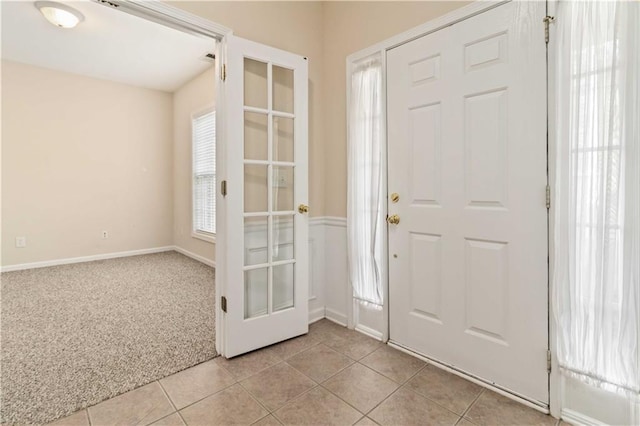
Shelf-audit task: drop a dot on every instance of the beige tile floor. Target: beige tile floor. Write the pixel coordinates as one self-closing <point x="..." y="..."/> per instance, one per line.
<point x="331" y="376"/>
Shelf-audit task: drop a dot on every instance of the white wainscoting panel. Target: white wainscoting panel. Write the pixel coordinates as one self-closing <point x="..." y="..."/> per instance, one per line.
<point x="316" y="270"/>
<point x="336" y="277"/>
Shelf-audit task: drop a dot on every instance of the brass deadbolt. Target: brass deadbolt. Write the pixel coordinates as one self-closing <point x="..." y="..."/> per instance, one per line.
<point x="395" y="197"/>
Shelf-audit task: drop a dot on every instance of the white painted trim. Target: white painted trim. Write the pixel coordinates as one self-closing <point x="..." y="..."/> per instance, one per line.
<point x="576" y="418"/>
<point x="316" y="314"/>
<point x="204" y="237"/>
<point x="375" y="334"/>
<point x="328" y="221"/>
<point x="82" y="259"/>
<point x="335" y="316"/>
<point x="514" y="396"/>
<point x="556" y="386"/>
<point x="194" y="256"/>
<point x="170" y="16"/>
<point x="434" y="25"/>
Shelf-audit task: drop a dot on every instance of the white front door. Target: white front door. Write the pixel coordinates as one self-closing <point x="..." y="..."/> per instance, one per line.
<point x="263" y="256"/>
<point x="467" y="157"/>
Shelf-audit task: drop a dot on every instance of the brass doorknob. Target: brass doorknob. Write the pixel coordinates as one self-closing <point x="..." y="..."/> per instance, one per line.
<point x="303" y="208"/>
<point x="393" y="219"/>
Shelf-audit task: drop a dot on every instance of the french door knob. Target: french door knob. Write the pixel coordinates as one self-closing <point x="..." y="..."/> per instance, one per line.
<point x="393" y="219"/>
<point x="303" y="208"/>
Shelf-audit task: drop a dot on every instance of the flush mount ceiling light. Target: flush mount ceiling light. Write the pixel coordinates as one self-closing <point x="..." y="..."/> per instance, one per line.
<point x="59" y="14"/>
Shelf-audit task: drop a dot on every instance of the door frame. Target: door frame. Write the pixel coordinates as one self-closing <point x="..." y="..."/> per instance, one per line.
<point x="173" y="17"/>
<point x="353" y="308"/>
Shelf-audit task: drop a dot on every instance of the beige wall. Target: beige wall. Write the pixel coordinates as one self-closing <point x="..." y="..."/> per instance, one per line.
<point x="193" y="97"/>
<point x="293" y="26"/>
<point x="81" y="156"/>
<point x="349" y="27"/>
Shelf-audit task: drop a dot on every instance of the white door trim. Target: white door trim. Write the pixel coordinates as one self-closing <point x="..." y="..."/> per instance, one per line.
<point x="446" y="20"/>
<point x="555" y="387"/>
<point x="170" y="16"/>
<point x="463" y="13"/>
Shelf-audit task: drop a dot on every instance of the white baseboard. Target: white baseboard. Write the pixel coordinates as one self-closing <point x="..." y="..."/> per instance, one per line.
<point x="335" y="316"/>
<point x="194" y="256"/>
<point x="369" y="331"/>
<point x="46" y="263"/>
<point x="576" y="418"/>
<point x="316" y="314"/>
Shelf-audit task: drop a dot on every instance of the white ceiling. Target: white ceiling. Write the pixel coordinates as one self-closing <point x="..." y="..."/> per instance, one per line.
<point x="108" y="44"/>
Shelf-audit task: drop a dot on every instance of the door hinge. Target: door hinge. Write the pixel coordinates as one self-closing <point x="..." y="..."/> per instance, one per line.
<point x="223" y="304"/>
<point x="548" y="361"/>
<point x="548" y="196"/>
<point x="223" y="72"/>
<point x="547" y="20"/>
<point x="223" y="188"/>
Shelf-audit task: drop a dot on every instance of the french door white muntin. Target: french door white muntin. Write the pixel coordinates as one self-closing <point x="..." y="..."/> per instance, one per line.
<point x="467" y="156"/>
<point x="264" y="267"/>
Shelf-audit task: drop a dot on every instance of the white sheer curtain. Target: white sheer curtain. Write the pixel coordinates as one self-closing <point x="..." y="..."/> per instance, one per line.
<point x="364" y="197"/>
<point x="597" y="220"/>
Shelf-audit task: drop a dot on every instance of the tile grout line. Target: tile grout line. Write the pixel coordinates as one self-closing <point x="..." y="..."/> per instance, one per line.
<point x="384" y="375"/>
<point x="332" y="375"/>
<point x="422" y="396"/>
<point x="88" y="416"/>
<point x="205" y="397"/>
<point x="439" y="404"/>
<point x="472" y="404"/>
<point x="273" y="413"/>
<point x="174" y="405"/>
<point x="253" y="374"/>
<point x="255" y="398"/>
<point x="358" y="362"/>
<point x="347" y="402"/>
<point x="164" y="391"/>
<point x="398" y="388"/>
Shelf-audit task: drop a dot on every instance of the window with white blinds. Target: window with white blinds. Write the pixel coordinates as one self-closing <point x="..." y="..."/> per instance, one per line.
<point x="204" y="173"/>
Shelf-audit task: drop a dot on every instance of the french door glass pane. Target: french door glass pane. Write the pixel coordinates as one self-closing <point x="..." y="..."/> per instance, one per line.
<point x="282" y="188"/>
<point x="282" y="89"/>
<point x="255" y="83"/>
<point x="256" y="240"/>
<point x="255" y="290"/>
<point x="256" y="142"/>
<point x="282" y="139"/>
<point x="283" y="287"/>
<point x="255" y="188"/>
<point x="283" y="232"/>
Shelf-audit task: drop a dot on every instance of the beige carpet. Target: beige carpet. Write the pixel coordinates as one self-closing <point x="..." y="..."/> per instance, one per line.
<point x="74" y="335"/>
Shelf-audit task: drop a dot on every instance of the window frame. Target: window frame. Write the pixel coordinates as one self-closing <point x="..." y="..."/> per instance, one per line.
<point x="201" y="235"/>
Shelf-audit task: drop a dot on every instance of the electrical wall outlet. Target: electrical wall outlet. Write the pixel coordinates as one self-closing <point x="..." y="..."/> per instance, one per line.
<point x="21" y="242"/>
<point x="105" y="235"/>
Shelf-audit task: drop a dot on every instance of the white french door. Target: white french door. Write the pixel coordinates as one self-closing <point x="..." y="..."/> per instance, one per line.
<point x="263" y="261"/>
<point x="467" y="159"/>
